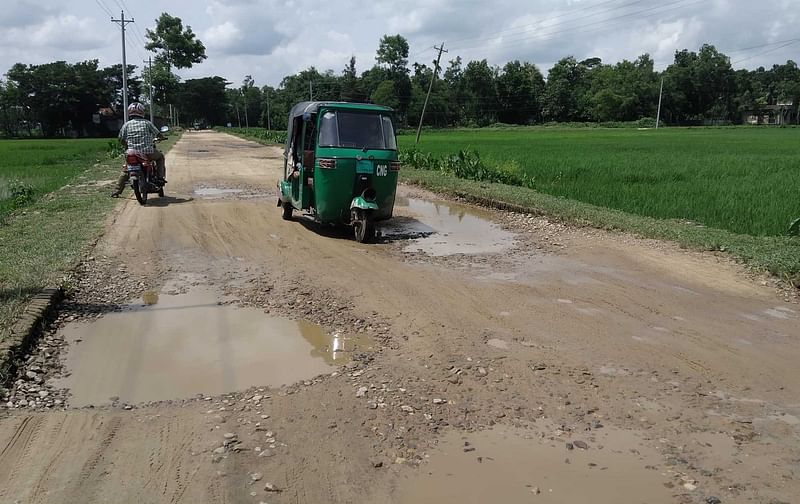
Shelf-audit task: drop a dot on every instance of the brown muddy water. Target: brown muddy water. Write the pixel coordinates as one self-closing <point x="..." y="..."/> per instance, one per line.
<point x="174" y="347"/>
<point x="440" y="229"/>
<point x="511" y="466"/>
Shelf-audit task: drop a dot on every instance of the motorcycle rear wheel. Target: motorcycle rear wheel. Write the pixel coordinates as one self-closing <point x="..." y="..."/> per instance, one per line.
<point x="140" y="190"/>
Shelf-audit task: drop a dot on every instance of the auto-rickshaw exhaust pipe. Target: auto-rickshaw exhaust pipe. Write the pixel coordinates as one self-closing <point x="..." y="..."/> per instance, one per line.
<point x="369" y="195"/>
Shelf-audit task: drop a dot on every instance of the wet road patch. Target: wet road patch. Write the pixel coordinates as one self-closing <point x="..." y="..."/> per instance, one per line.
<point x="439" y="228"/>
<point x="183" y="345"/>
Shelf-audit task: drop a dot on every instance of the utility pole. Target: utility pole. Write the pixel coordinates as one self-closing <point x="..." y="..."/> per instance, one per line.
<point x="122" y="22"/>
<point x="246" y="121"/>
<point x="310" y="91"/>
<point x="660" y="92"/>
<point x="430" y="86"/>
<point x="150" y="85"/>
<point x="269" y="122"/>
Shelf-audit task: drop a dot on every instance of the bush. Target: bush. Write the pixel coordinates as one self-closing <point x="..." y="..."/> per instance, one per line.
<point x="20" y="192"/>
<point x="468" y="165"/>
<point x="263" y="134"/>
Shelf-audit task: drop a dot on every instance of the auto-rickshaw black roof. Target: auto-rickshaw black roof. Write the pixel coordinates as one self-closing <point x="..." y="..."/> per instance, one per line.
<point x="312" y="107"/>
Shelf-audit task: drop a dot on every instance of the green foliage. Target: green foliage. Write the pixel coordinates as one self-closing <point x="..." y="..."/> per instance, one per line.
<point x="176" y="46"/>
<point x="20" y="193"/>
<point x="744" y="180"/>
<point x="61" y="95"/>
<point x="261" y="135"/>
<point x="468" y="165"/>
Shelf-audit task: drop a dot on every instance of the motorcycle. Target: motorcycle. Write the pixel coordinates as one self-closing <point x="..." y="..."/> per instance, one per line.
<point x="143" y="176"/>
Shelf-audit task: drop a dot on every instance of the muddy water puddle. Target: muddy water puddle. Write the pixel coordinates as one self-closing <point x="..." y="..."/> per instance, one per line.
<point x="177" y="346"/>
<point x="511" y="466"/>
<point x="437" y="228"/>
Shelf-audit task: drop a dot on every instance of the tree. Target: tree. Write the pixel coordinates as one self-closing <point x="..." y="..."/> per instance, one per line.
<point x="386" y="95"/>
<point x="480" y="92"/>
<point x="175" y="45"/>
<point x="519" y="91"/>
<point x="351" y="86"/>
<point x="203" y="100"/>
<point x="393" y="53"/>
<point x="566" y="94"/>
<point x="165" y="83"/>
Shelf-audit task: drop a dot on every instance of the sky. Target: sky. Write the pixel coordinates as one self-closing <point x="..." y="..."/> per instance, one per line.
<point x="269" y="39"/>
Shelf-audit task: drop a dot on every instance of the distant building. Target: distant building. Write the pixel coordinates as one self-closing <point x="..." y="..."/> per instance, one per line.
<point x="776" y="115"/>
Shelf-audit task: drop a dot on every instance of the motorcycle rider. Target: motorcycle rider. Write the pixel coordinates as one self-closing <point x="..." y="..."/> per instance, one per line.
<point x="140" y="135"/>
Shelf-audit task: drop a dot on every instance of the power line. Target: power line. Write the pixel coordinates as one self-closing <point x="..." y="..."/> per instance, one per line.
<point x="596" y="30"/>
<point x="104" y="8"/>
<point x="765" y="52"/>
<point x="524" y="28"/>
<point x="659" y="9"/>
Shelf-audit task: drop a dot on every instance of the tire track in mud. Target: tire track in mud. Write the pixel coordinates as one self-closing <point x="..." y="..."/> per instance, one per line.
<point x="88" y="481"/>
<point x="17" y="451"/>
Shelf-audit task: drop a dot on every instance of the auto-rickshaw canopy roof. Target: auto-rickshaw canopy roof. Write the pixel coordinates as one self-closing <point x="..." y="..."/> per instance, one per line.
<point x="312" y="107"/>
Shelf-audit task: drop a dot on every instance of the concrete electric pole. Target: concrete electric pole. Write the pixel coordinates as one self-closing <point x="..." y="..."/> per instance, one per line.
<point x="430" y="86"/>
<point x="660" y="92"/>
<point x="149" y="63"/>
<point x="122" y="22"/>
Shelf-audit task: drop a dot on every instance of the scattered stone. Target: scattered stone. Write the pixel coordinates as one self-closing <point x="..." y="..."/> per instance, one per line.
<point x="535" y="490"/>
<point x="229" y="435"/>
<point x="581" y="445"/>
<point x="376" y="462"/>
<point x="269" y="487"/>
<point x="438" y="401"/>
<point x="407" y="409"/>
<point x="482" y="371"/>
<point x="219" y="451"/>
<point x="713" y="500"/>
<point x="690" y="486"/>
<point x="361" y="392"/>
<point x="254" y="477"/>
<point x="570" y="446"/>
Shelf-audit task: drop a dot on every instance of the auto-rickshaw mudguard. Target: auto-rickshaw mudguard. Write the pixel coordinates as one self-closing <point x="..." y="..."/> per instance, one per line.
<point x="360" y="202"/>
<point x="284" y="192"/>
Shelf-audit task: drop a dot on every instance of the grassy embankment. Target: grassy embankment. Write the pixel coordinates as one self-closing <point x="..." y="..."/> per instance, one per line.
<point x="53" y="202"/>
<point x="730" y="189"/>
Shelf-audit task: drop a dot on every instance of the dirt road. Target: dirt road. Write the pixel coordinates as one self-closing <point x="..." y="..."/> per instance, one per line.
<point x="212" y="352"/>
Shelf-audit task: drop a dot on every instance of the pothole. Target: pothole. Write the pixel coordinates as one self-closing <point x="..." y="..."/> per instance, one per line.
<point x="177" y="346"/>
<point x="437" y="228"/>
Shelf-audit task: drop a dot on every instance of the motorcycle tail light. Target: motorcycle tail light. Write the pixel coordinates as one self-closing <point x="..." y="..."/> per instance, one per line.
<point x="327" y="163"/>
<point x="394" y="166"/>
<point x="132" y="159"/>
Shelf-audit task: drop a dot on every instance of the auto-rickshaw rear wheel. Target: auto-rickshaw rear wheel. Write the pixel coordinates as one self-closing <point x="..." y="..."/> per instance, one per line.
<point x="363" y="225"/>
<point x="287" y="210"/>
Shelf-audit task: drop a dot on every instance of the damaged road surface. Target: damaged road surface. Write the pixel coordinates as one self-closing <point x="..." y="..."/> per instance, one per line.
<point x="212" y="352"/>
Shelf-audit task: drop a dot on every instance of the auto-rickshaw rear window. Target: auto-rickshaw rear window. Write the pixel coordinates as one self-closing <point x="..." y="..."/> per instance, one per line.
<point x="356" y="129"/>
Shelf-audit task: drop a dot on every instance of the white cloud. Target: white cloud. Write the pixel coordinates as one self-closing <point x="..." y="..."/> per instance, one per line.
<point x="271" y="38"/>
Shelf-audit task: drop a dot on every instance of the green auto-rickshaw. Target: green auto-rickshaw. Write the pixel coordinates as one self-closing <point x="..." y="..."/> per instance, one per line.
<point x="340" y="164"/>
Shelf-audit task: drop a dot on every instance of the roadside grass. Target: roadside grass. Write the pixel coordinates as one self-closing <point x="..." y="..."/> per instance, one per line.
<point x="745" y="180"/>
<point x="260" y="135"/>
<point x="32" y="168"/>
<point x="779" y="255"/>
<point x="42" y="240"/>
